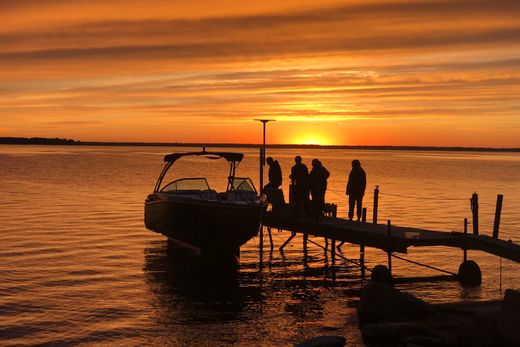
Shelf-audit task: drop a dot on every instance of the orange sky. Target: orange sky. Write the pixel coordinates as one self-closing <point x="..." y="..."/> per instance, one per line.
<point x="396" y="72"/>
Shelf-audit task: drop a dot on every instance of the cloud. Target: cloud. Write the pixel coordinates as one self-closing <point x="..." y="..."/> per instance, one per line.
<point x="349" y="29"/>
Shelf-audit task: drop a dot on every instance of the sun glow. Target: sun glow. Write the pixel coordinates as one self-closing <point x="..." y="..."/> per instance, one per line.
<point x="311" y="139"/>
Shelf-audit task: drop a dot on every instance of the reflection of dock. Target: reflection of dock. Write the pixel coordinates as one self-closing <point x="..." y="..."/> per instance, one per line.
<point x="387" y="237"/>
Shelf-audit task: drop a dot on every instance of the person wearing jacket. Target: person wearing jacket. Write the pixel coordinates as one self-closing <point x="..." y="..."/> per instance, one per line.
<point x="300" y="180"/>
<point x="318" y="185"/>
<point x="275" y="174"/>
<point x="357" y="182"/>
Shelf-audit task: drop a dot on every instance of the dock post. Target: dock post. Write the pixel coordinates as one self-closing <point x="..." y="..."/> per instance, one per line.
<point x="389" y="252"/>
<point x="305" y="237"/>
<point x="261" y="236"/>
<point x="293" y="235"/>
<point x="376" y="203"/>
<point x="261" y="248"/>
<point x="261" y="173"/>
<point x="498" y="212"/>
<point x="474" y="211"/>
<point x="362" y="246"/>
<point x="465" y="251"/>
<point x="362" y="259"/>
<point x="333" y="251"/>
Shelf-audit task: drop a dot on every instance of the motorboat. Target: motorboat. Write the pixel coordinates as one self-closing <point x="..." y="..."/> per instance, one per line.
<point x="193" y="215"/>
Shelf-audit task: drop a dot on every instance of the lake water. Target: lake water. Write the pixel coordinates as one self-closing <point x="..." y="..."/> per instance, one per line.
<point x="77" y="265"/>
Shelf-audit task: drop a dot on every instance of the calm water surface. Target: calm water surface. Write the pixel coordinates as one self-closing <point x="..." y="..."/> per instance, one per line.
<point x="77" y="265"/>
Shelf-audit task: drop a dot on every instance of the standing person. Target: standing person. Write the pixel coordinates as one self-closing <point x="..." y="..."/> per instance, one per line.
<point x="300" y="179"/>
<point x="357" y="182"/>
<point x="275" y="174"/>
<point x="318" y="184"/>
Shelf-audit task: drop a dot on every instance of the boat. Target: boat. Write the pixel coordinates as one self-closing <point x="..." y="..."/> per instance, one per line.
<point x="193" y="215"/>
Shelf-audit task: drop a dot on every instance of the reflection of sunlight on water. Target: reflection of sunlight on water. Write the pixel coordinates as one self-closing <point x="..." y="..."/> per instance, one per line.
<point x="191" y="275"/>
<point x="282" y="303"/>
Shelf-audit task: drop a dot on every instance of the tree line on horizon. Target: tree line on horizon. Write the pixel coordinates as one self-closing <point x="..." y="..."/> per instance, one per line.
<point x="65" y="141"/>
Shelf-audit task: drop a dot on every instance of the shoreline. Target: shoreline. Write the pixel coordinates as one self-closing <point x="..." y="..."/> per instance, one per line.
<point x="69" y="142"/>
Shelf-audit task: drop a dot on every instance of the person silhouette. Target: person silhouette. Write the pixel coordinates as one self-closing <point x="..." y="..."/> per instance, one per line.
<point x="275" y="174"/>
<point x="318" y="185"/>
<point x="300" y="180"/>
<point x="357" y="182"/>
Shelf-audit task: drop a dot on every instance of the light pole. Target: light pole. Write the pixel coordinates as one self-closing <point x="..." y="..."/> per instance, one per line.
<point x="262" y="152"/>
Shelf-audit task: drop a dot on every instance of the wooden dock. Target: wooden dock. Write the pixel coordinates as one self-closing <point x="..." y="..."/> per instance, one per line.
<point x="387" y="237"/>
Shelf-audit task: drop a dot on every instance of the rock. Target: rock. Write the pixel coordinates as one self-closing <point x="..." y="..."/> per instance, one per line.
<point x="324" y="341"/>
<point x="423" y="341"/>
<point x="381" y="302"/>
<point x="395" y="333"/>
<point x="478" y="332"/>
<point x="508" y="325"/>
<point x="380" y="273"/>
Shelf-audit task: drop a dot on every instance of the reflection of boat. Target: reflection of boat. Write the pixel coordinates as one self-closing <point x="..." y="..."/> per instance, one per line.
<point x="189" y="213"/>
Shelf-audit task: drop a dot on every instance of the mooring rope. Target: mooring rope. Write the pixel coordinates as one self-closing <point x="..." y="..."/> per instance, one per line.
<point x="423" y="198"/>
<point x="338" y="194"/>
<point x="424" y="265"/>
<point x="342" y="194"/>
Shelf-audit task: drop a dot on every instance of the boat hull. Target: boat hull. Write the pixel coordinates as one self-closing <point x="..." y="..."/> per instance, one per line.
<point x="210" y="226"/>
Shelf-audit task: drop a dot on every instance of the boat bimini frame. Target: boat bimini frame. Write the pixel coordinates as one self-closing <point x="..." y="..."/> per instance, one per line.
<point x="233" y="159"/>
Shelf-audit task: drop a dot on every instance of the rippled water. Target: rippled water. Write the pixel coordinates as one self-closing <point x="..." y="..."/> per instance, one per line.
<point x="77" y="265"/>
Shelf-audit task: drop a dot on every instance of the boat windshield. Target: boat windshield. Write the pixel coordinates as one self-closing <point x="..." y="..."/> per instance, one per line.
<point x="187" y="184"/>
<point x="243" y="184"/>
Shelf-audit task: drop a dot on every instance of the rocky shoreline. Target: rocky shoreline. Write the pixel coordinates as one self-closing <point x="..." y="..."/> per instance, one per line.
<point x="390" y="317"/>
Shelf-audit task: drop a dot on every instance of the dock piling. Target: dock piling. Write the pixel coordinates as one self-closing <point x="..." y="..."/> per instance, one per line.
<point x="261" y="248"/>
<point x="364" y="215"/>
<point x="261" y="173"/>
<point x="389" y="251"/>
<point x="261" y="237"/>
<point x="465" y="250"/>
<point x="270" y="237"/>
<point x="305" y="252"/>
<point x="333" y="252"/>
<point x="498" y="212"/>
<point x="293" y="235"/>
<point x="376" y="203"/>
<point x="474" y="211"/>
<point x="362" y="259"/>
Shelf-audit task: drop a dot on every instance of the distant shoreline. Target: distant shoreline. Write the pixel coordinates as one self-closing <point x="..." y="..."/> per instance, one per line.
<point x="70" y="142"/>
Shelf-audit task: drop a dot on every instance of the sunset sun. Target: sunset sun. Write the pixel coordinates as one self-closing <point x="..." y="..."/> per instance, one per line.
<point x="312" y="139"/>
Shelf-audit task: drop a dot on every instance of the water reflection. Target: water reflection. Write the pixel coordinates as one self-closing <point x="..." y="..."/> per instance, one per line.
<point x="276" y="303"/>
<point x="182" y="272"/>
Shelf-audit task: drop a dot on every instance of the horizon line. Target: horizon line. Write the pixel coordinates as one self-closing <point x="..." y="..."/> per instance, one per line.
<point x="64" y="141"/>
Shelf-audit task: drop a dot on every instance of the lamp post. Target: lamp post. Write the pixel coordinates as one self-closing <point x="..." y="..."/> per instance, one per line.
<point x="262" y="151"/>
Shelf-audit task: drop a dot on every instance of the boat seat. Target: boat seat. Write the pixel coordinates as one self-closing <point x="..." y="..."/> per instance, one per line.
<point x="186" y="192"/>
<point x="209" y="194"/>
<point x="242" y="196"/>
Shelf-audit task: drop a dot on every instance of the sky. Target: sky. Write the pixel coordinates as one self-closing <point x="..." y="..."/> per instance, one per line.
<point x="358" y="72"/>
